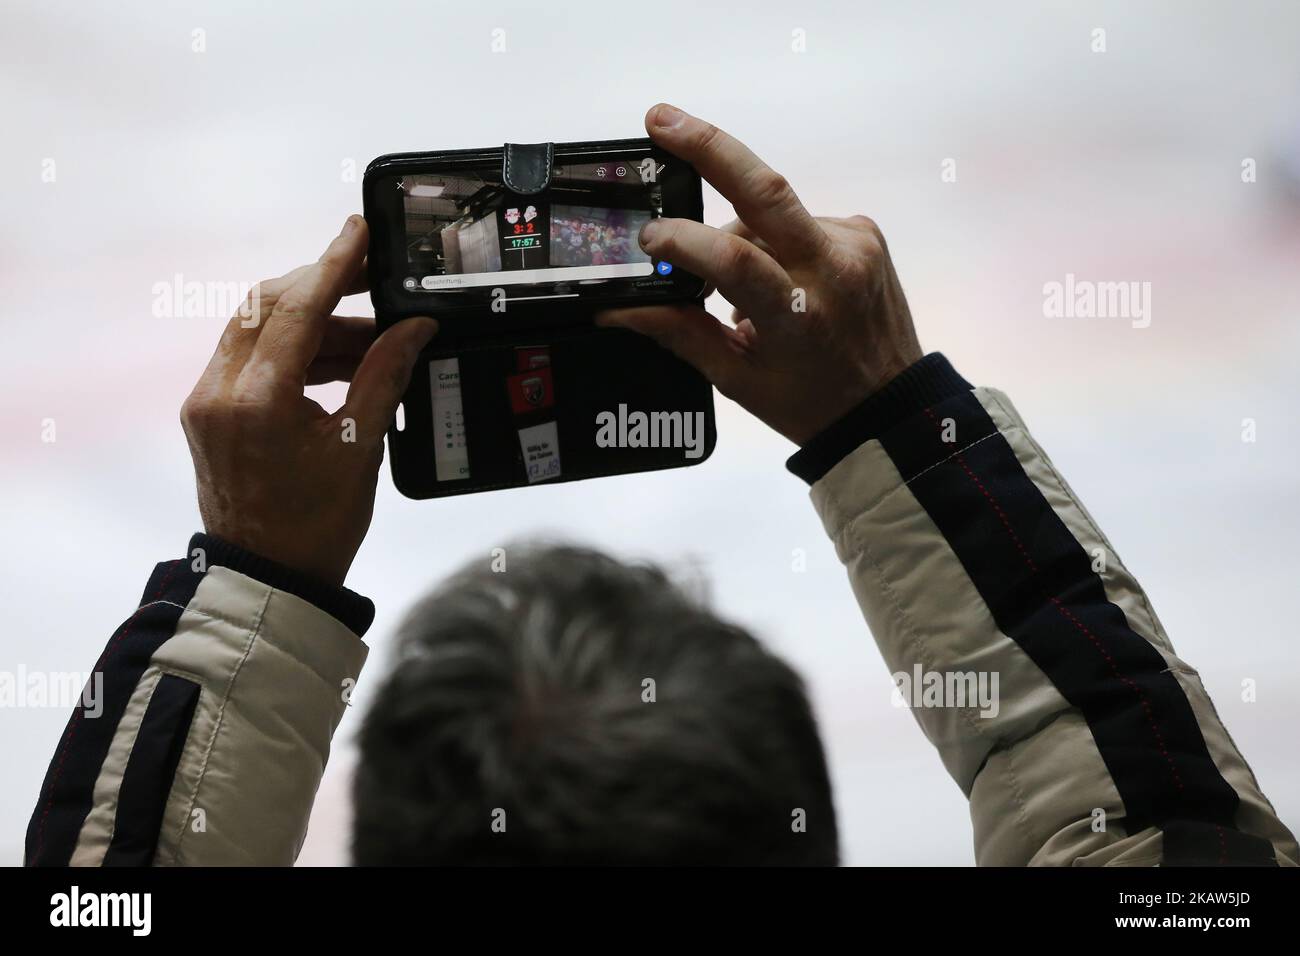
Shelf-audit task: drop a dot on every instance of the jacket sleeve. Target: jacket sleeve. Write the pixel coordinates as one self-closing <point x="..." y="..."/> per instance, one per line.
<point x="973" y="561"/>
<point x="203" y="732"/>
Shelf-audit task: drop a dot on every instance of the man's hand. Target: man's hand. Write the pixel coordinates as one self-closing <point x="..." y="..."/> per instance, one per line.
<point x="820" y="319"/>
<point x="277" y="475"/>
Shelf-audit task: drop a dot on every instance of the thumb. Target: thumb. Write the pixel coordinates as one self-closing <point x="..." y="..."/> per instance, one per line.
<point x="691" y="334"/>
<point x="382" y="377"/>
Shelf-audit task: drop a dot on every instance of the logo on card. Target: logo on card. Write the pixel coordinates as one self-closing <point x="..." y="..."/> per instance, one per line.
<point x="534" y="391"/>
<point x="531" y="390"/>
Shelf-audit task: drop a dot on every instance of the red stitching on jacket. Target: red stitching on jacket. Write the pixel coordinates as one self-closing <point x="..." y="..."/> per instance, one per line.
<point x="1069" y="616"/>
<point x="76" y="714"/>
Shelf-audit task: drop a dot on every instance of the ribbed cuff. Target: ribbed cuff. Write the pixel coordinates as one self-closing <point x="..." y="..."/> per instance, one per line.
<point x="355" y="612"/>
<point x="923" y="383"/>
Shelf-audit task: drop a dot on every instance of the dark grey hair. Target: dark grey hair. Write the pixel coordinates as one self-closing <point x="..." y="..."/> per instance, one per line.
<point x="575" y="709"/>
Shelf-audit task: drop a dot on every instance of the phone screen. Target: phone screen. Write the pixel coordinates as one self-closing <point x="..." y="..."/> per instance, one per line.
<point x="460" y="239"/>
<point x="464" y="231"/>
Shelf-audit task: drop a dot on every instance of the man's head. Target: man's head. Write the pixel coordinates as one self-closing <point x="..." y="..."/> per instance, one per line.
<point x="575" y="709"/>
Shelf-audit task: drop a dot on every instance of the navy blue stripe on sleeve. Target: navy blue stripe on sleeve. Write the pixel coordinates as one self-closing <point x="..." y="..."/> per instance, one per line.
<point x="68" y="792"/>
<point x="1038" y="583"/>
<point x="147" y="780"/>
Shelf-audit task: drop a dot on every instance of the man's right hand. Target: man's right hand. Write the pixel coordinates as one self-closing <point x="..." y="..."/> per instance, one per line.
<point x="820" y="319"/>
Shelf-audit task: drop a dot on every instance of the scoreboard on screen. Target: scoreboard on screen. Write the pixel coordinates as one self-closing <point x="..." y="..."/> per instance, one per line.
<point x="524" y="233"/>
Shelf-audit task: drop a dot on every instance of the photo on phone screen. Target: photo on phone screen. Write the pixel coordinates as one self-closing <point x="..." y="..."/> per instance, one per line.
<point x="451" y="234"/>
<point x="462" y="231"/>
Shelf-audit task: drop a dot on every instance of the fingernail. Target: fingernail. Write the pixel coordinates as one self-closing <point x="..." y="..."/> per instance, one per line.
<point x="349" y="225"/>
<point x="428" y="329"/>
<point x="647" y="233"/>
<point x="668" y="117"/>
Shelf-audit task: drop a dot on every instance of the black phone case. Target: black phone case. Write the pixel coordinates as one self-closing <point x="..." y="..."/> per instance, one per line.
<point x="592" y="370"/>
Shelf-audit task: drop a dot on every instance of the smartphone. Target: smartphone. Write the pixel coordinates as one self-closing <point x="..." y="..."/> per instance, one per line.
<point x="448" y="238"/>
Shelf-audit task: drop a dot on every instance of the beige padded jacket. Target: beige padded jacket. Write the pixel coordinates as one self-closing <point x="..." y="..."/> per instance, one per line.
<point x="966" y="549"/>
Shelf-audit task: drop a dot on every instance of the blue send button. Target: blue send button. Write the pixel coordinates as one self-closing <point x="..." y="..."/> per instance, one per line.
<point x="664" y="268"/>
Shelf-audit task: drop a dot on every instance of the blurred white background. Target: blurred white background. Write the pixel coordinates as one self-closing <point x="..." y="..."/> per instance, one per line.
<point x="228" y="165"/>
